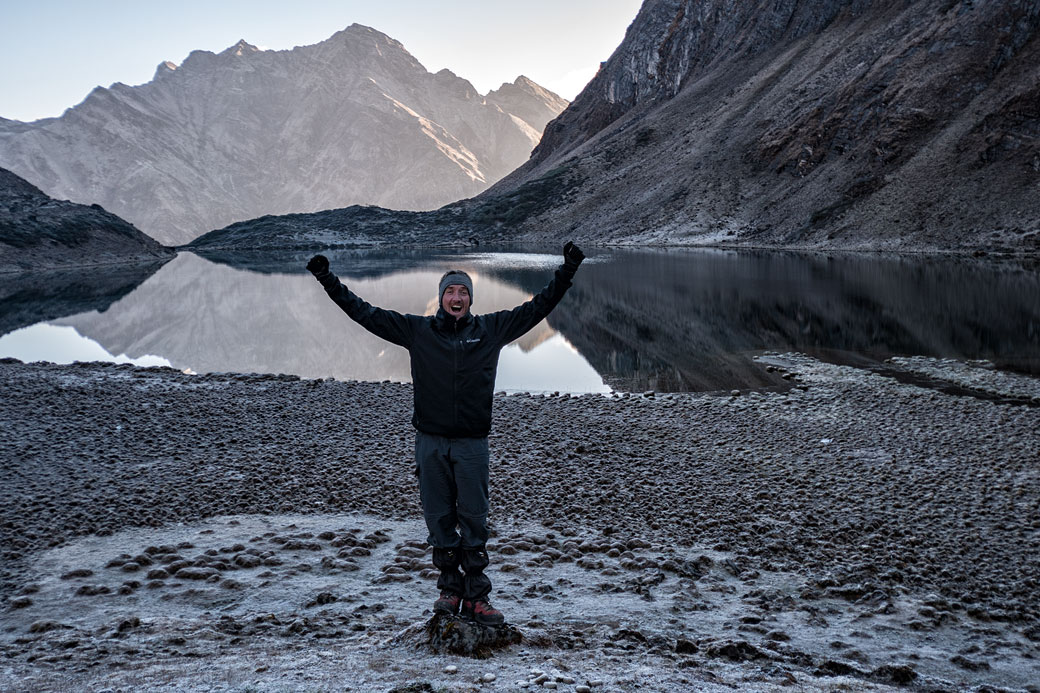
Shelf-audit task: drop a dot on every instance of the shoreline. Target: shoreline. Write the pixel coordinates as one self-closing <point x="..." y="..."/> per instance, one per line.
<point x="907" y="513"/>
<point x="1002" y="253"/>
<point x="980" y="253"/>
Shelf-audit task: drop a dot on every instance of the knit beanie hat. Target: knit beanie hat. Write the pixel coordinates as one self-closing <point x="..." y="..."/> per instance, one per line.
<point x="455" y="277"/>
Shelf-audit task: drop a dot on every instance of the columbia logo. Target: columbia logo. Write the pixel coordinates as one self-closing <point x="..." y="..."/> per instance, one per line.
<point x="471" y="341"/>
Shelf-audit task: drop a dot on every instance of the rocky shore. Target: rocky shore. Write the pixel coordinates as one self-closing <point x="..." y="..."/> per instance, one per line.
<point x="252" y="532"/>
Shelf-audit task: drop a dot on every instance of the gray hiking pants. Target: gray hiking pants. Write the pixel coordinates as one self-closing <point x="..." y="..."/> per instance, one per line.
<point x="453" y="487"/>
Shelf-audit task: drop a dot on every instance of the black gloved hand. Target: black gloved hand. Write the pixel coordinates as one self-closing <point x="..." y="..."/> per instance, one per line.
<point x="318" y="264"/>
<point x="572" y="257"/>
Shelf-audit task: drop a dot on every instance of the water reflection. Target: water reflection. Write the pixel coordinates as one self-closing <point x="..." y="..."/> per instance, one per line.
<point x="27" y="299"/>
<point x="58" y="344"/>
<point x="682" y="322"/>
<point x="209" y="317"/>
<point x="669" y="321"/>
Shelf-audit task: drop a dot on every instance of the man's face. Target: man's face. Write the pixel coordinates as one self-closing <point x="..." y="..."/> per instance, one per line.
<point x="455" y="300"/>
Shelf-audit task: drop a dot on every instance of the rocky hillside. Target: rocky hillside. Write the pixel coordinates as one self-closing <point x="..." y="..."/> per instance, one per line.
<point x="798" y="123"/>
<point x="38" y="232"/>
<point x="838" y="123"/>
<point x="245" y="133"/>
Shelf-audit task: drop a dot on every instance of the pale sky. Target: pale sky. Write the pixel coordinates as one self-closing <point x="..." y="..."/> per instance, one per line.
<point x="54" y="52"/>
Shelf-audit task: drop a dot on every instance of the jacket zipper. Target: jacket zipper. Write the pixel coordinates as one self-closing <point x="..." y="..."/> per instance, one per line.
<point x="455" y="374"/>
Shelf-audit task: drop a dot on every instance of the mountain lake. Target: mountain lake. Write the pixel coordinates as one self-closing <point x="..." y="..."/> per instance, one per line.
<point x="635" y="320"/>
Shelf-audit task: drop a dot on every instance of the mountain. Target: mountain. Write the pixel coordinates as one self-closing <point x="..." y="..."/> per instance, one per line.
<point x="841" y="123"/>
<point x="795" y="123"/>
<point x="38" y="232"/>
<point x="247" y="132"/>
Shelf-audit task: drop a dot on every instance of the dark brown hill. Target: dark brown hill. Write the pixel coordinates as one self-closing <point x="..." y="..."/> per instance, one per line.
<point x="39" y="232"/>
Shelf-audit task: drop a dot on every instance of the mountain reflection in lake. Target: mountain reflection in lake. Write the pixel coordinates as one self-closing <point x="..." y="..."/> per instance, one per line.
<point x="664" y="320"/>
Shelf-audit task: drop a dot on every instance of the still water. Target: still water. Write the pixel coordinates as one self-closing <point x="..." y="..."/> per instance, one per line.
<point x="634" y="320"/>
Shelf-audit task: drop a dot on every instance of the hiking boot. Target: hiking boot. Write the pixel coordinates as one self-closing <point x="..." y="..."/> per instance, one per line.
<point x="447" y="604"/>
<point x="481" y="611"/>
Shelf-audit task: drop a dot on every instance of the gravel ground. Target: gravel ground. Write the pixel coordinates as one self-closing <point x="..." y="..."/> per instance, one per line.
<point x="851" y="500"/>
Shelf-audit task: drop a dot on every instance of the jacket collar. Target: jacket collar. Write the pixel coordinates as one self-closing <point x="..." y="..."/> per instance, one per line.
<point x="445" y="321"/>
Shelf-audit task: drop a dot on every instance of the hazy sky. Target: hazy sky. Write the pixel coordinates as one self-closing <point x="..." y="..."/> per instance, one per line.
<point x="53" y="52"/>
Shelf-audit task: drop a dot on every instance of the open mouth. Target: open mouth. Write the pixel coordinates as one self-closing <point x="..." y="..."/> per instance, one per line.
<point x="455" y="307"/>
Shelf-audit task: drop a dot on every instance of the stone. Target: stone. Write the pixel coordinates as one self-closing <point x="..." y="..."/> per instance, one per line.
<point x="44" y="626"/>
<point x="77" y="573"/>
<point x="900" y="675"/>
<point x="684" y="646"/>
<point x="447" y="634"/>
<point x="194" y="573"/>
<point x="735" y="650"/>
<point x="92" y="590"/>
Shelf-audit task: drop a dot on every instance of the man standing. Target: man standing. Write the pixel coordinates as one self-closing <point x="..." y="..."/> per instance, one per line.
<point x="454" y="357"/>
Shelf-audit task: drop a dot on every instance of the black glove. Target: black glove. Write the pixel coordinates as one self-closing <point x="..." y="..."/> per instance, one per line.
<point x="318" y="265"/>
<point x="572" y="257"/>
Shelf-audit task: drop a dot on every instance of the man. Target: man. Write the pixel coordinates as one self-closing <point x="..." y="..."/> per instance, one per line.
<point x="454" y="357"/>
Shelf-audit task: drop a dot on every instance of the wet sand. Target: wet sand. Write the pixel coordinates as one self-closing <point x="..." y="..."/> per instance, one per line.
<point x="850" y="529"/>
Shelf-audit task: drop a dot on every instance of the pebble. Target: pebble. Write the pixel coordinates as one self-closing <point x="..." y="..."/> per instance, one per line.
<point x="451" y="669"/>
<point x="488" y="678"/>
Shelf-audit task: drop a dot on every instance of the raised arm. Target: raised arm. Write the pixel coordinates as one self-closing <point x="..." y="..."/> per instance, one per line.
<point x="511" y="324"/>
<point x="387" y="324"/>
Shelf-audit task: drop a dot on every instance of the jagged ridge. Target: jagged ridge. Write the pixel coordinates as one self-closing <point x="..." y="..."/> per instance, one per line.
<point x="231" y="136"/>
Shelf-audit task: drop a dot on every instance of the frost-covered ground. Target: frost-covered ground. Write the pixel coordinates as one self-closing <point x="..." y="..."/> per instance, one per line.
<point x="171" y="532"/>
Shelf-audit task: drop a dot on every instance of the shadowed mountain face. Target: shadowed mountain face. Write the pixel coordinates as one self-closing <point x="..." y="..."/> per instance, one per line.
<point x="244" y="133"/>
<point x="836" y="123"/>
<point x="38" y="232"/>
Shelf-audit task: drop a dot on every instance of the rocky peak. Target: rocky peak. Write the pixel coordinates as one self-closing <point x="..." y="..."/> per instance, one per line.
<point x="525" y="99"/>
<point x="241" y="48"/>
<point x="243" y="133"/>
<point x="462" y="88"/>
<point x="164" y="69"/>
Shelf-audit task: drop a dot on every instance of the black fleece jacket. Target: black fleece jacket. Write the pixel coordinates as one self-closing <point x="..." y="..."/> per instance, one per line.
<point x="453" y="361"/>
